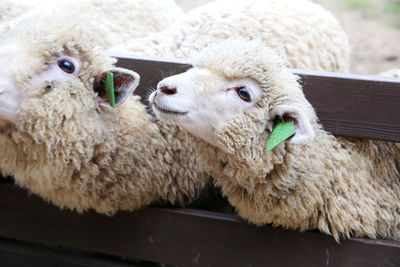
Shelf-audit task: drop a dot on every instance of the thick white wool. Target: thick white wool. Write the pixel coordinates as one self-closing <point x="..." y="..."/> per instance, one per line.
<point x="116" y="21"/>
<point x="300" y="30"/>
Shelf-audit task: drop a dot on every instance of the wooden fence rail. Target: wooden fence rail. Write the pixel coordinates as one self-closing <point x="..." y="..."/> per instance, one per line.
<point x="347" y="104"/>
<point x="358" y="106"/>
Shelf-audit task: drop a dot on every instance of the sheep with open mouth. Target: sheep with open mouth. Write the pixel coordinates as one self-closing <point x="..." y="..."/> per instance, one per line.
<point x="61" y="139"/>
<point x="255" y="132"/>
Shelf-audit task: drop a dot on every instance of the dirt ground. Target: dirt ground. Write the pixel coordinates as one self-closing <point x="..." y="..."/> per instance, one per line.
<point x="375" y="43"/>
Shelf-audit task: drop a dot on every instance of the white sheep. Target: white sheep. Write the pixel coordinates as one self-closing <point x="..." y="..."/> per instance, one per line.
<point x="302" y="31"/>
<point x="231" y="101"/>
<point x="180" y="184"/>
<point x="116" y="21"/>
<point x="60" y="138"/>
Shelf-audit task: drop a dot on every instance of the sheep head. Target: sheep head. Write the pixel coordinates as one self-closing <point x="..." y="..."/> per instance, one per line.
<point x="51" y="78"/>
<point x="233" y="96"/>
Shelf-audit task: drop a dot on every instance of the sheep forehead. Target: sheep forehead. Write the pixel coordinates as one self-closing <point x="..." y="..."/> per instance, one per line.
<point x="45" y="30"/>
<point x="194" y="87"/>
<point x="202" y="81"/>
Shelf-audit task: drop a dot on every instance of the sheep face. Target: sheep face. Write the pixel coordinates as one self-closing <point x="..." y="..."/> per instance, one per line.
<point x="201" y="101"/>
<point x="56" y="81"/>
<point x="234" y="96"/>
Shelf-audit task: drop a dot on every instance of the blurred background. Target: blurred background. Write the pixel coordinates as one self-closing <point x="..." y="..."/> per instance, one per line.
<point x="373" y="27"/>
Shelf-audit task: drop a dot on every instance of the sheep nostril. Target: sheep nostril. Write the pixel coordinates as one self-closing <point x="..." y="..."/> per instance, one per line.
<point x="167" y="90"/>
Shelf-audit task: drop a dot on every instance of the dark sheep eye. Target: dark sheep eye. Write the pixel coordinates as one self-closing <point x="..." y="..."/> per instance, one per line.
<point x="243" y="94"/>
<point x="66" y="65"/>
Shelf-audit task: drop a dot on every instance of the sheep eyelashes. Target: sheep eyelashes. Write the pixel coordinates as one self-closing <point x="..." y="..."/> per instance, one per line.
<point x="281" y="132"/>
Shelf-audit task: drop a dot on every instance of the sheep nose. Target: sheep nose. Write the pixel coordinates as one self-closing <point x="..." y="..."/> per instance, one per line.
<point x="167" y="90"/>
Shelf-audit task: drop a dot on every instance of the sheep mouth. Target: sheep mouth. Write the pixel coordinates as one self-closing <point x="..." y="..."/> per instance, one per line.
<point x="168" y="111"/>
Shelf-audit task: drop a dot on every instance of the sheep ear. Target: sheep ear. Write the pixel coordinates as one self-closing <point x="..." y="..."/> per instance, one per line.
<point x="304" y="130"/>
<point x="125" y="83"/>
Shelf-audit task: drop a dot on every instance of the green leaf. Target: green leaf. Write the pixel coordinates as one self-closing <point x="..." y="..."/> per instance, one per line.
<point x="281" y="132"/>
<point x="110" y="88"/>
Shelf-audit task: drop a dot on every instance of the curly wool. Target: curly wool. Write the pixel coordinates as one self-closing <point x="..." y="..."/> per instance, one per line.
<point x="302" y="31"/>
<point x="114" y="21"/>
<point x="10" y="9"/>
<point x="341" y="186"/>
<point x="77" y="154"/>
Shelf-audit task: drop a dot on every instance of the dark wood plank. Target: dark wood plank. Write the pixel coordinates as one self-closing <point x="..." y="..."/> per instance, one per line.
<point x="355" y="105"/>
<point x="21" y="254"/>
<point x="182" y="237"/>
<point x="348" y="105"/>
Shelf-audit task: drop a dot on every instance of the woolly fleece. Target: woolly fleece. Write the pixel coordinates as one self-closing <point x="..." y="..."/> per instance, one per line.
<point x="10" y="9"/>
<point x="302" y="31"/>
<point x="115" y="21"/>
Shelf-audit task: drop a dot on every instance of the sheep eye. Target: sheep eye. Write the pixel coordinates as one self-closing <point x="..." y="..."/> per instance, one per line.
<point x="243" y="94"/>
<point x="66" y="65"/>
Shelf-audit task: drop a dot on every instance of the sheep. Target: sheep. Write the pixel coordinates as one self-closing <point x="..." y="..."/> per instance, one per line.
<point x="179" y="185"/>
<point x="302" y="31"/>
<point x="118" y="22"/>
<point x="232" y="100"/>
<point x="61" y="139"/>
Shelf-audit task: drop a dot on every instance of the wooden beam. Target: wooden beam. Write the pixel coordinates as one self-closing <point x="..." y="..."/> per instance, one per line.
<point x="349" y="105"/>
<point x="182" y="237"/>
<point x="355" y="105"/>
<point x="14" y="253"/>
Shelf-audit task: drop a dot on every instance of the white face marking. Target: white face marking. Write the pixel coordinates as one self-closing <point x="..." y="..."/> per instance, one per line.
<point x="201" y="101"/>
<point x="13" y="60"/>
